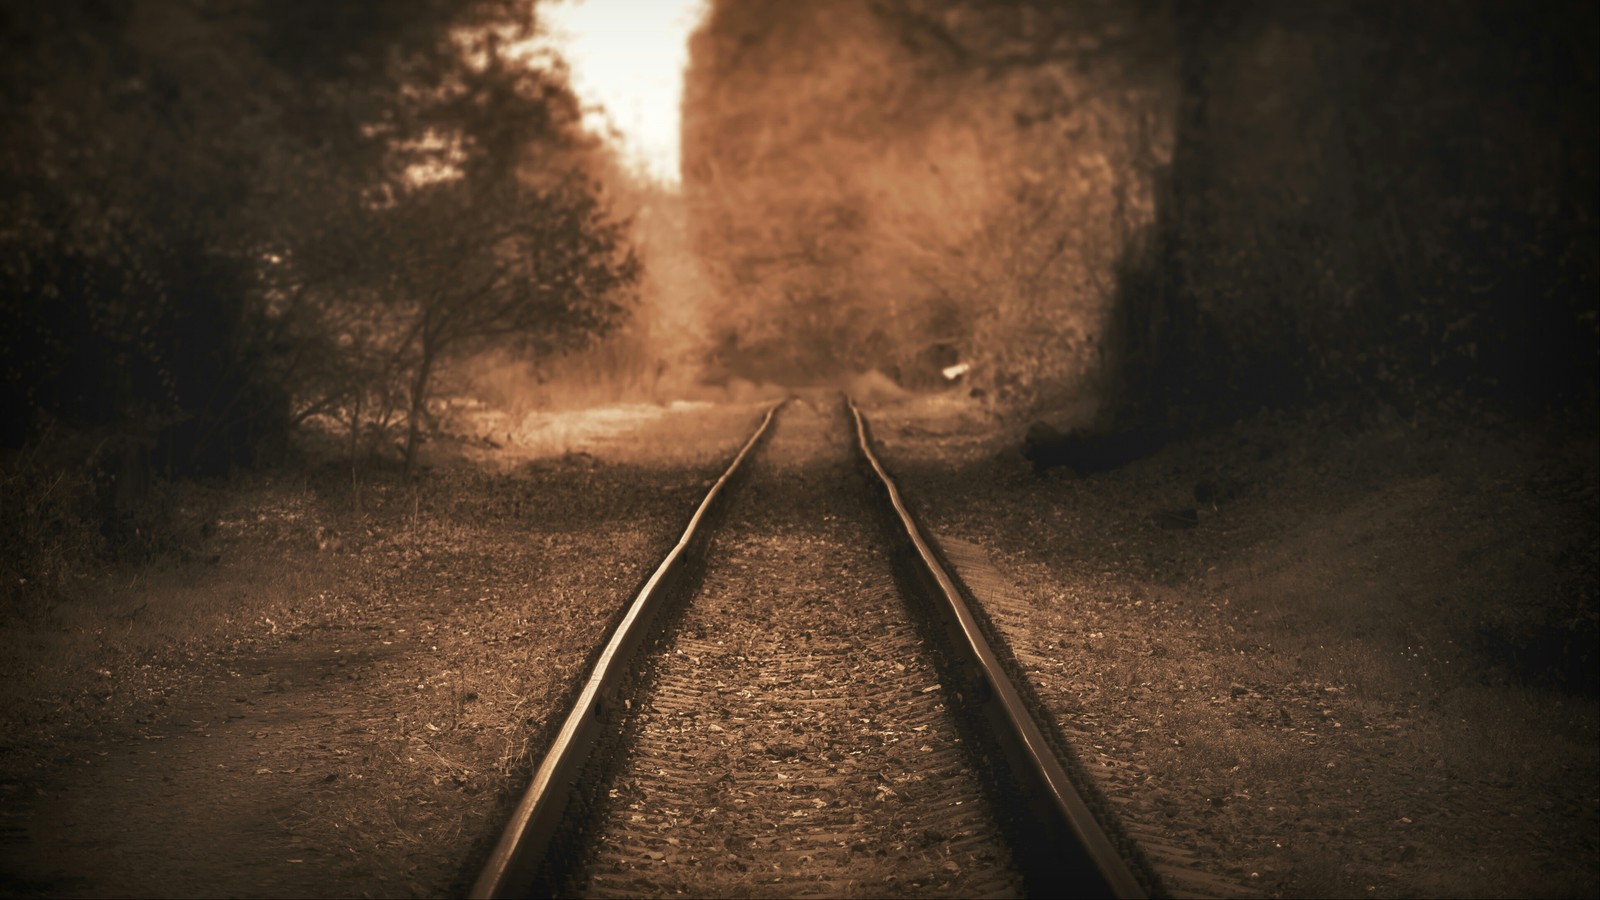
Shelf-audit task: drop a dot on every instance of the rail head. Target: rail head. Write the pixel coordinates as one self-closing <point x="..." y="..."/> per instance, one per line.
<point x="523" y="843"/>
<point x="1022" y="739"/>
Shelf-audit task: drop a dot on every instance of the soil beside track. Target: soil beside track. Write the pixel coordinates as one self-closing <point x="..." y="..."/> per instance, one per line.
<point x="334" y="694"/>
<point x="1365" y="668"/>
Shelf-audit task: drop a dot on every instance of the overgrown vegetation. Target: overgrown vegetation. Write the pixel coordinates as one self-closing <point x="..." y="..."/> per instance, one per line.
<point x="223" y="219"/>
<point x="1390" y="204"/>
<point x="1161" y="215"/>
<point x="871" y="190"/>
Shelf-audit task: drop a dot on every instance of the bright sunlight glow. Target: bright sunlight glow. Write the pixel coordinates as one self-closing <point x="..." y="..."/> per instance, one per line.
<point x="627" y="58"/>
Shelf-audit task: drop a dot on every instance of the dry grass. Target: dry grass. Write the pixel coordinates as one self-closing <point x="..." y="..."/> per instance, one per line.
<point x="617" y="371"/>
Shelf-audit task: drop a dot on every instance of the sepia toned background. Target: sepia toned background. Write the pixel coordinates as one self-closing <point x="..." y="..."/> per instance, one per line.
<point x="311" y="313"/>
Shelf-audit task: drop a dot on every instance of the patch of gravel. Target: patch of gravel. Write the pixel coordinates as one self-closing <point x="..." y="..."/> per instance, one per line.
<point x="339" y="693"/>
<point x="1363" y="669"/>
<point x="795" y="741"/>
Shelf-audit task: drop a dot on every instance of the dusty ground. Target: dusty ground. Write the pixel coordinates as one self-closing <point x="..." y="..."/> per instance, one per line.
<point x="1369" y="669"/>
<point x="328" y="697"/>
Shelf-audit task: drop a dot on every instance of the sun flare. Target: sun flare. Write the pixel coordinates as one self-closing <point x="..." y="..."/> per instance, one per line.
<point x="627" y="59"/>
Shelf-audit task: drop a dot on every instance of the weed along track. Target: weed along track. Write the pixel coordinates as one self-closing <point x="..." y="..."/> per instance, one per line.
<point x="801" y="704"/>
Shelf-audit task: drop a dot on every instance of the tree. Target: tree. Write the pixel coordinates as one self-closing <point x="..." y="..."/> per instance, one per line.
<point x="904" y="184"/>
<point x="455" y="270"/>
<point x="221" y="217"/>
<point x="134" y="134"/>
<point x="483" y="229"/>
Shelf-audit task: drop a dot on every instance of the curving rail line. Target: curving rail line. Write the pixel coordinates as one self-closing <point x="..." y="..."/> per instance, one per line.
<point x="1061" y="848"/>
<point x="522" y="846"/>
<point x="1068" y="840"/>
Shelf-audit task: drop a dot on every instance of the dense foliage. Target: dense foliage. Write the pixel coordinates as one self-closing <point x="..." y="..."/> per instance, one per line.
<point x="1159" y="214"/>
<point x="904" y="185"/>
<point x="223" y="217"/>
<point x="1376" y="202"/>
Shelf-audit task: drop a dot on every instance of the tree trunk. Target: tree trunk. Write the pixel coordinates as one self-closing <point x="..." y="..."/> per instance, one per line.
<point x="355" y="427"/>
<point x="419" y="405"/>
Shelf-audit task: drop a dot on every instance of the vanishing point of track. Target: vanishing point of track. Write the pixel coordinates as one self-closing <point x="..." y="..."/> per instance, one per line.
<point x="803" y="700"/>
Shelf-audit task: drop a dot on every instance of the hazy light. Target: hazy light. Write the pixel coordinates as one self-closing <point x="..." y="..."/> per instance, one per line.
<point x="628" y="56"/>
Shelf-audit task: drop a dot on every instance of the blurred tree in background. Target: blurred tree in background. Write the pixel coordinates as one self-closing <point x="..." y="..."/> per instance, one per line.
<point x="225" y="216"/>
<point x="1390" y="203"/>
<point x="1156" y="215"/>
<point x="901" y="184"/>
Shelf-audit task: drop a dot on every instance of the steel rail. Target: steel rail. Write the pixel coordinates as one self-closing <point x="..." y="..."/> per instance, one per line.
<point x="522" y="846"/>
<point x="1080" y="856"/>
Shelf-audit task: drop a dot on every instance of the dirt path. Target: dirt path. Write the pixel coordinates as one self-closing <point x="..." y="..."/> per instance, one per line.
<point x="1364" y="667"/>
<point x="214" y="797"/>
<point x="338" y="695"/>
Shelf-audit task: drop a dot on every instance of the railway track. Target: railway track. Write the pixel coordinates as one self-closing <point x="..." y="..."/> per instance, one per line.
<point x="802" y="701"/>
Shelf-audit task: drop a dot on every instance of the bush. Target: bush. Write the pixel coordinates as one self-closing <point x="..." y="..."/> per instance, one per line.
<point x="48" y="524"/>
<point x="1378" y="203"/>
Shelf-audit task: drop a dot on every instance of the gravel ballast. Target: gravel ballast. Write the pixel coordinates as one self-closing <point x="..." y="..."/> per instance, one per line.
<point x="796" y="740"/>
